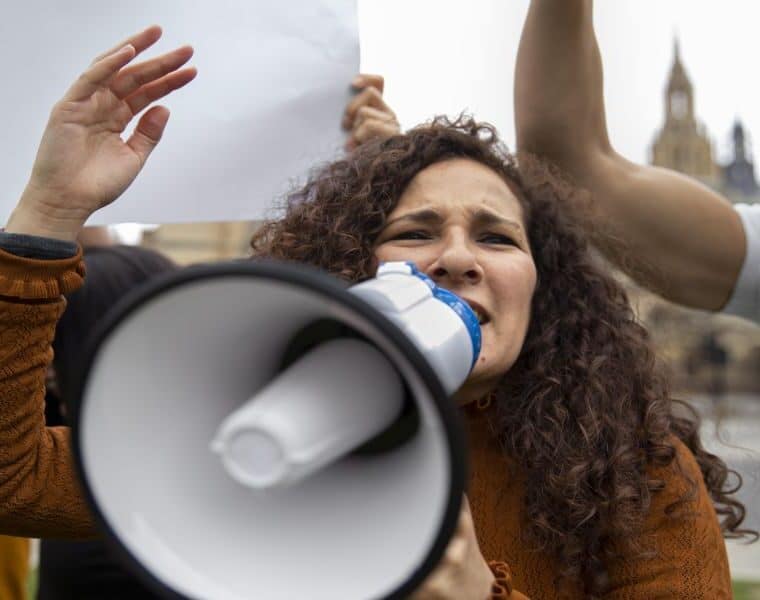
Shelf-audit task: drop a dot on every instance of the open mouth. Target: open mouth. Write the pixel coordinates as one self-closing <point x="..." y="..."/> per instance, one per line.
<point x="482" y="315"/>
<point x="482" y="319"/>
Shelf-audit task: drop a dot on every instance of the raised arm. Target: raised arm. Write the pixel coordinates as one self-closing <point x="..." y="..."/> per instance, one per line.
<point x="682" y="240"/>
<point x="82" y="164"/>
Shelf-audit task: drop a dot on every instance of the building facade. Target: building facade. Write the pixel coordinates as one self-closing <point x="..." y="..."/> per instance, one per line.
<point x="190" y="243"/>
<point x="683" y="143"/>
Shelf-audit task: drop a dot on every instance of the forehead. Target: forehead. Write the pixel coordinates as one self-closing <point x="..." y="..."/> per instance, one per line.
<point x="459" y="183"/>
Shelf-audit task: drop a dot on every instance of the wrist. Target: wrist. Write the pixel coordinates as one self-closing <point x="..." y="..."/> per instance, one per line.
<point x="31" y="218"/>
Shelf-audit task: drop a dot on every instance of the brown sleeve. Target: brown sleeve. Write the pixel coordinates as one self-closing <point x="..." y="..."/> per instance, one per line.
<point x="39" y="493"/>
<point x="502" y="586"/>
<point x="687" y="555"/>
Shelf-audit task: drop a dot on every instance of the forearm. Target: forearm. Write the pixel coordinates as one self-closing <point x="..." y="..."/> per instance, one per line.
<point x="39" y="494"/>
<point x="559" y="100"/>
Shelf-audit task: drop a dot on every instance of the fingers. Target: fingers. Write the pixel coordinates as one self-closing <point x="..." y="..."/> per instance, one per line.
<point x="364" y="80"/>
<point x="160" y="88"/>
<point x="139" y="41"/>
<point x="148" y="132"/>
<point x="367" y="113"/>
<point x="372" y="123"/>
<point x="372" y="129"/>
<point x="369" y="96"/>
<point x="99" y="74"/>
<point x="106" y="66"/>
<point x="130" y="79"/>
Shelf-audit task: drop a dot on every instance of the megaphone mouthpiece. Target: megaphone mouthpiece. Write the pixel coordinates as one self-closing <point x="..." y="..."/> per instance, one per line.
<point x="332" y="400"/>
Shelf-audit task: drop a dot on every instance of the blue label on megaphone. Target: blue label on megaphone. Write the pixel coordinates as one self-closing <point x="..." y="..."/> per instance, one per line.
<point x="458" y="305"/>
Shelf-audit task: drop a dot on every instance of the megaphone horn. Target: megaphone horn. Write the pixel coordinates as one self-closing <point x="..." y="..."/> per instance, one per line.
<point x="241" y="423"/>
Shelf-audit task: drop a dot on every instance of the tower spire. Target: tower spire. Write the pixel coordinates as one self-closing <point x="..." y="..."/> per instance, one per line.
<point x="682" y="144"/>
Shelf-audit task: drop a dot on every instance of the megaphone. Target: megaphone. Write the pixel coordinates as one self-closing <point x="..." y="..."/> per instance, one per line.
<point x="259" y="430"/>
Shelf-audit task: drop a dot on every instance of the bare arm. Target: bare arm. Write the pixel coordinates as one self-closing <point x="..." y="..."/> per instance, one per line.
<point x="683" y="240"/>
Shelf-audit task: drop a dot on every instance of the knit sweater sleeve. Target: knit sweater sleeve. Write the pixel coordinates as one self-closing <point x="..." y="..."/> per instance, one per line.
<point x="39" y="493"/>
<point x="684" y="555"/>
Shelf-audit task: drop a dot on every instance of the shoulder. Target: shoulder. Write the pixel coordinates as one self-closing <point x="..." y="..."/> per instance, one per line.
<point x="681" y="480"/>
<point x="680" y="552"/>
<point x="682" y="509"/>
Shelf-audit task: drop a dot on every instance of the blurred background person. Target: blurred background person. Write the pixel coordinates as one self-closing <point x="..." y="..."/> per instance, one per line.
<point x="14" y="567"/>
<point x="71" y="570"/>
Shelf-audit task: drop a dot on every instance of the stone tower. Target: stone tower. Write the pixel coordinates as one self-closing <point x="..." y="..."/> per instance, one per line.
<point x="739" y="182"/>
<point x="682" y="143"/>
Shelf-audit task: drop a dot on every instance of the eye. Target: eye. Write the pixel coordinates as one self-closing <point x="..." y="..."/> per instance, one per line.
<point x="415" y="234"/>
<point x="497" y="238"/>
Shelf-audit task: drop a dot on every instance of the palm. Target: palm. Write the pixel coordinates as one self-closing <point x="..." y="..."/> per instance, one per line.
<point x="82" y="152"/>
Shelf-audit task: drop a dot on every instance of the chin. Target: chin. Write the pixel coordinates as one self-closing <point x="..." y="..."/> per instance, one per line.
<point x="473" y="389"/>
<point x="482" y="380"/>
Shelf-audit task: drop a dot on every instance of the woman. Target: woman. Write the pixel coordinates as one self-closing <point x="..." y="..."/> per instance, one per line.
<point x="576" y="451"/>
<point x="584" y="484"/>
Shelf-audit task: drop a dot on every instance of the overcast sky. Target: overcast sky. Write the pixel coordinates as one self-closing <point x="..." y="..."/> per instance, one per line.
<point x="423" y="45"/>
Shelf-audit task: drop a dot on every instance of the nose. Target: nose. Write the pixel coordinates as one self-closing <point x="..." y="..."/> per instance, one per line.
<point x="457" y="264"/>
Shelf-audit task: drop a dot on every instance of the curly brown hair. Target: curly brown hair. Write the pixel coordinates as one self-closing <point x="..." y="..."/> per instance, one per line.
<point x="584" y="410"/>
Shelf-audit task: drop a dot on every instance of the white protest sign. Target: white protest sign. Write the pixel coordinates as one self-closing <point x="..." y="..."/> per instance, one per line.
<point x="273" y="80"/>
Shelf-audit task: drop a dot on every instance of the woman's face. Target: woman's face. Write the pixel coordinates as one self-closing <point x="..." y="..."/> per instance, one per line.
<point x="462" y="226"/>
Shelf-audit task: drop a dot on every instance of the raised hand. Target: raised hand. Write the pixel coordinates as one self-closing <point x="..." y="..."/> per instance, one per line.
<point x="83" y="163"/>
<point x="367" y="115"/>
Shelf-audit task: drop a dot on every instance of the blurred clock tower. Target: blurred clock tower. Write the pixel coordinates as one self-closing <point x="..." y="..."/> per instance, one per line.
<point x="682" y="144"/>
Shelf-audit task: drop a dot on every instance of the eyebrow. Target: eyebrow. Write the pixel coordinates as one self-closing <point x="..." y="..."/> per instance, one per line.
<point x="481" y="217"/>
<point x="486" y="217"/>
<point x="426" y="216"/>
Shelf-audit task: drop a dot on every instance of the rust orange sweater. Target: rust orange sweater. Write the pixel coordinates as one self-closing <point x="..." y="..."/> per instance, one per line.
<point x="39" y="495"/>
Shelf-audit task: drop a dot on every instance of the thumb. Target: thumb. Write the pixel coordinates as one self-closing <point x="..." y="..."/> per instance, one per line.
<point x="148" y="132"/>
<point x="466" y="525"/>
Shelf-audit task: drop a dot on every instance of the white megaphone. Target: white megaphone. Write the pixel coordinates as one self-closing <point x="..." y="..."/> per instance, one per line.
<point x="258" y="430"/>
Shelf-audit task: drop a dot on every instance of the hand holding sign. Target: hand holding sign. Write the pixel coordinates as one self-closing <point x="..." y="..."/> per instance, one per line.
<point x="83" y="163"/>
<point x="367" y="115"/>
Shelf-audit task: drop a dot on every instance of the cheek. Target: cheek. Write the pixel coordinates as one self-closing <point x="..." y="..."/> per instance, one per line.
<point x="514" y="288"/>
<point x="419" y="256"/>
<point x="528" y="285"/>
